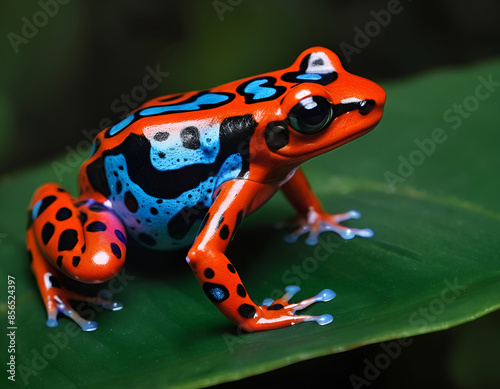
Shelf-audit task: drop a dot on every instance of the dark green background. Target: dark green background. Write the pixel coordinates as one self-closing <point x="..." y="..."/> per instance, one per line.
<point x="65" y="79"/>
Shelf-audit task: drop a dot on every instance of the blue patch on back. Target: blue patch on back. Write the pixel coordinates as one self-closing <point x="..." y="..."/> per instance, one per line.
<point x="309" y="76"/>
<point x="206" y="99"/>
<point x="121" y="125"/>
<point x="259" y="92"/>
<point x="203" y="100"/>
<point x="260" y="89"/>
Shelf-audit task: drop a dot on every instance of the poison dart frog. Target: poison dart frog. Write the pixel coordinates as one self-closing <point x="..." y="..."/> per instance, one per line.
<point x="184" y="170"/>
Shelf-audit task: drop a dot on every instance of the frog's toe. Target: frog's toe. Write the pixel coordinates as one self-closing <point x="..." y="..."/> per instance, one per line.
<point x="325" y="295"/>
<point x="312" y="238"/>
<point x="324" y="319"/>
<point x="105" y="300"/>
<point x="112" y="306"/>
<point x="89" y="326"/>
<point x="352" y="214"/>
<point x="348" y="233"/>
<point x="51" y="322"/>
<point x="363" y="232"/>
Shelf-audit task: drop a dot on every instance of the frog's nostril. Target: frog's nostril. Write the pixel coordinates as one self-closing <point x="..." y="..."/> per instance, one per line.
<point x="365" y="106"/>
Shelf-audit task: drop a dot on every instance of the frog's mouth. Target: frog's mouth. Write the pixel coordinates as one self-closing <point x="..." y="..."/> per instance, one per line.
<point x="353" y="104"/>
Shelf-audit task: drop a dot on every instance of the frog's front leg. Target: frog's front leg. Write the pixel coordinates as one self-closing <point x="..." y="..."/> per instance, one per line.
<point x="83" y="240"/>
<point x="218" y="277"/>
<point x="312" y="219"/>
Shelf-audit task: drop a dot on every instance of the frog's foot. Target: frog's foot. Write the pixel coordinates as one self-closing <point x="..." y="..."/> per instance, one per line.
<point x="59" y="301"/>
<point x="280" y="313"/>
<point x="317" y="222"/>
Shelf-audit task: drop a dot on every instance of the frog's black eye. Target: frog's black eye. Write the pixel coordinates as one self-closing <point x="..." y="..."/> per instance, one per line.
<point x="312" y="114"/>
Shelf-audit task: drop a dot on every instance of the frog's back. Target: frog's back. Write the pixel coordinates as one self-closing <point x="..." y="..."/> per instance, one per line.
<point x="160" y="175"/>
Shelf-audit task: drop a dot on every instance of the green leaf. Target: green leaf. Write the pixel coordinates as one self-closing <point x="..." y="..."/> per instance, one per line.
<point x="433" y="263"/>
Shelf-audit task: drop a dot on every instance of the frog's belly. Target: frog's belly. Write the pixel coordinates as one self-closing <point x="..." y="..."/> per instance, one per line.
<point x="164" y="223"/>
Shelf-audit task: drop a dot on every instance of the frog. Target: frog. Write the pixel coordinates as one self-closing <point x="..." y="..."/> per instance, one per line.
<point x="182" y="171"/>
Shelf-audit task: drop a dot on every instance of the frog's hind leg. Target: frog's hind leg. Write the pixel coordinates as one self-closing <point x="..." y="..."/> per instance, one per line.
<point x="83" y="240"/>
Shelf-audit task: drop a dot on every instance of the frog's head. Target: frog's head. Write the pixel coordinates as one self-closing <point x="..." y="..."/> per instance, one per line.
<point x="324" y="109"/>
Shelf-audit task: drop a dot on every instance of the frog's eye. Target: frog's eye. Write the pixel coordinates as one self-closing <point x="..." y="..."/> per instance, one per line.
<point x="312" y="114"/>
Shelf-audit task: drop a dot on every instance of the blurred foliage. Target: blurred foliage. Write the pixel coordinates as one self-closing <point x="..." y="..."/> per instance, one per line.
<point x="66" y="77"/>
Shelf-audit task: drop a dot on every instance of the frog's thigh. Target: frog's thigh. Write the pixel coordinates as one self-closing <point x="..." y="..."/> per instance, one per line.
<point x="84" y="240"/>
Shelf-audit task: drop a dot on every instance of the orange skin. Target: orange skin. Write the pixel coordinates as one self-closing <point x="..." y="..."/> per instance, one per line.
<point x="85" y="238"/>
